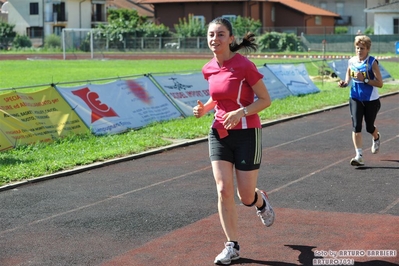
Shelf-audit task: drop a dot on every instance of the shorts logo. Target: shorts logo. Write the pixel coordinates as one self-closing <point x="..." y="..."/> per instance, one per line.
<point x="243" y="162"/>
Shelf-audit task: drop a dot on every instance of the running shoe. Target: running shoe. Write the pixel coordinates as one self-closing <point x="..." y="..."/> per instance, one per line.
<point x="357" y="161"/>
<point x="228" y="254"/>
<point x="267" y="214"/>
<point x="376" y="145"/>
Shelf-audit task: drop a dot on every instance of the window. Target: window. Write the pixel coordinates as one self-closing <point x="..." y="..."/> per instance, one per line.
<point x="200" y="19"/>
<point x="317" y="20"/>
<point x="231" y="18"/>
<point x="323" y="5"/>
<point x="59" y="11"/>
<point x="34" y="8"/>
<point x="97" y="13"/>
<point x="57" y="30"/>
<point x="273" y="14"/>
<point x="340" y="8"/>
<point x="34" y="32"/>
<point x="396" y="26"/>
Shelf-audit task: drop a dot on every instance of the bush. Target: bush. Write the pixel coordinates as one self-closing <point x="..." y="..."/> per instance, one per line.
<point x="369" y="31"/>
<point x="85" y="44"/>
<point x="7" y="34"/>
<point x="52" y="41"/>
<point x="289" y="42"/>
<point x="150" y="29"/>
<point x="21" y="41"/>
<point x="341" y="30"/>
<point x="269" y="41"/>
<point x="280" y="42"/>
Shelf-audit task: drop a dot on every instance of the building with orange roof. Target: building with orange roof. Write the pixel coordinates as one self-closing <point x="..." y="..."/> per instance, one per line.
<point x="354" y="14"/>
<point x="145" y="10"/>
<point x="288" y="15"/>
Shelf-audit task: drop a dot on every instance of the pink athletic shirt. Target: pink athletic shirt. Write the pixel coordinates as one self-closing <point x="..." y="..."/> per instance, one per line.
<point x="230" y="86"/>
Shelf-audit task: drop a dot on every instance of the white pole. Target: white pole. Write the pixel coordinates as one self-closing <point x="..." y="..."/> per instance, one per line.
<point x="63" y="43"/>
<point x="91" y="44"/>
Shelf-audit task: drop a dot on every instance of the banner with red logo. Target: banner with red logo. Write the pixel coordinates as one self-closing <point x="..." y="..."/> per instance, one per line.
<point x="122" y="104"/>
<point x="38" y="116"/>
<point x="119" y="105"/>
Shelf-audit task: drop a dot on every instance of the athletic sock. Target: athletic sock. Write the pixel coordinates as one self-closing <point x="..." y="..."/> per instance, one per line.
<point x="263" y="206"/>
<point x="359" y="153"/>
<point x="236" y="246"/>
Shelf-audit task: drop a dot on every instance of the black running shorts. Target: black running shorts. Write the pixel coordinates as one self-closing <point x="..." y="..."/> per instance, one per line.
<point x="242" y="147"/>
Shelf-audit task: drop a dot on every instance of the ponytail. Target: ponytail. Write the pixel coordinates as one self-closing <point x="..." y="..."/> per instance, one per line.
<point x="247" y="43"/>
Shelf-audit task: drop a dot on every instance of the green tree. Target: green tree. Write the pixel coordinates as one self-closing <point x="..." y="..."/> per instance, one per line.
<point x="190" y="27"/>
<point x="125" y="23"/>
<point x="121" y="23"/>
<point x="21" y="41"/>
<point x="7" y="34"/>
<point x="242" y="25"/>
<point x="150" y="29"/>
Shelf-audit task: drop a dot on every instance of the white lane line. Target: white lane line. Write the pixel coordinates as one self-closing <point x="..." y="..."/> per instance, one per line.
<point x="196" y="171"/>
<point x="104" y="200"/>
<point x="390" y="206"/>
<point x="319" y="170"/>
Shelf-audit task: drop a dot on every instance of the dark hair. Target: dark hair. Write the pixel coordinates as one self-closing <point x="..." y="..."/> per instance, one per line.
<point x="247" y="43"/>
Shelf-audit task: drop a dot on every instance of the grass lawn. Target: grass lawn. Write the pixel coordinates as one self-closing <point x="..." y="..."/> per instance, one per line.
<point x="31" y="161"/>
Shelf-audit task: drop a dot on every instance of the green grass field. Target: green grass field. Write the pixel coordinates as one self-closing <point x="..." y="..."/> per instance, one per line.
<point x="40" y="159"/>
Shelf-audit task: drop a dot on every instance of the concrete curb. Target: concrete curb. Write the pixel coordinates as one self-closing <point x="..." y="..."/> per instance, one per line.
<point x="179" y="143"/>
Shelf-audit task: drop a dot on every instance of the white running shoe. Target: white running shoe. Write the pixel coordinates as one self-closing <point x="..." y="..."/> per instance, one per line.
<point x="267" y="215"/>
<point x="228" y="254"/>
<point x="375" y="147"/>
<point x="357" y="161"/>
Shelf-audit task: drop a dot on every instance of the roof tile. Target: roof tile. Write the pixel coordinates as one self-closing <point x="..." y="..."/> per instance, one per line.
<point x="297" y="5"/>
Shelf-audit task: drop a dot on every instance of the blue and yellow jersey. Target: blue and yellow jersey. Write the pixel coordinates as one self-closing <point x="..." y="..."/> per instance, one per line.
<point x="360" y="90"/>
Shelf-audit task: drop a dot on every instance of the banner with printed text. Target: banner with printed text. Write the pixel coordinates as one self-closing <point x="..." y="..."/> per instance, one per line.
<point x="185" y="90"/>
<point x="38" y="116"/>
<point x="295" y="78"/>
<point x="340" y="66"/>
<point x="119" y="105"/>
<point x="276" y="89"/>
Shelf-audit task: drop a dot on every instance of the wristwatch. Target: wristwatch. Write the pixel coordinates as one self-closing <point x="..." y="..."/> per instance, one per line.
<point x="366" y="80"/>
<point x="245" y="111"/>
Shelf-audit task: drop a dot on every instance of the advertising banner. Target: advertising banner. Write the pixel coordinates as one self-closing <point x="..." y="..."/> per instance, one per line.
<point x="185" y="90"/>
<point x="295" y="78"/>
<point x="38" y="116"/>
<point x="119" y="105"/>
<point x="276" y="89"/>
<point x="340" y="66"/>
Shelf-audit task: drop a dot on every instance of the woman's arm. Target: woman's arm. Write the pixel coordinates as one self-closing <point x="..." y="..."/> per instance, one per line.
<point x="200" y="109"/>
<point x="345" y="83"/>
<point x="263" y="101"/>
<point x="377" y="81"/>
